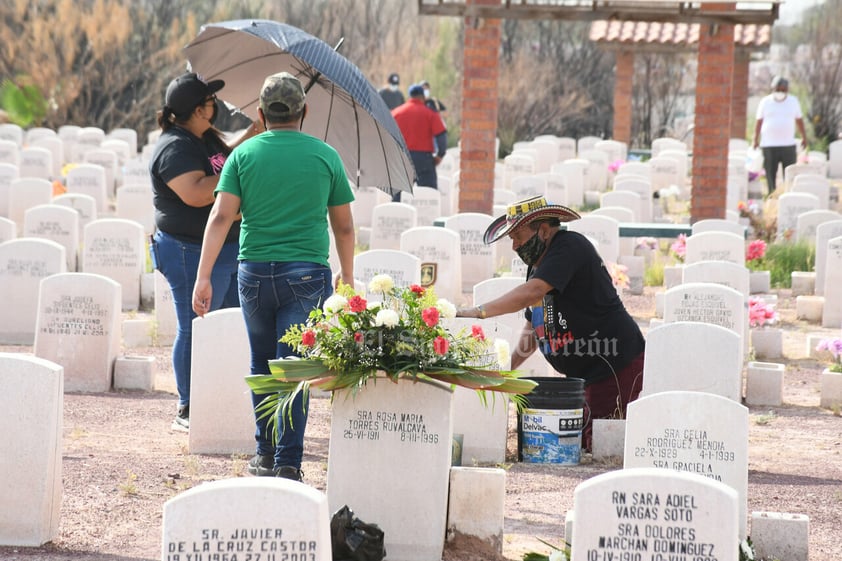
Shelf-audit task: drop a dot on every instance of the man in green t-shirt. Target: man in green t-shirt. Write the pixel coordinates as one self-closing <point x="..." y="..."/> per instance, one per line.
<point x="286" y="184"/>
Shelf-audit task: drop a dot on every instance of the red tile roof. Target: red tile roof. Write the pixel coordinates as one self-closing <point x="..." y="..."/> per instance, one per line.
<point x="683" y="35"/>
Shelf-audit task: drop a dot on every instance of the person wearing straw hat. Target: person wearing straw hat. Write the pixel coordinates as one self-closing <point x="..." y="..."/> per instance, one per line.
<point x="574" y="315"/>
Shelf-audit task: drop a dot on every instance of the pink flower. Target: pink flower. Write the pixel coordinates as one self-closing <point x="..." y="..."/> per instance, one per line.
<point x="357" y="304"/>
<point x="417" y="289"/>
<point x="430" y="316"/>
<point x="358" y="337"/>
<point x="755" y="250"/>
<point x="679" y="246"/>
<point x="308" y="338"/>
<point x="440" y="345"/>
<point x="614" y="166"/>
<point x="760" y="313"/>
<point x="477" y="332"/>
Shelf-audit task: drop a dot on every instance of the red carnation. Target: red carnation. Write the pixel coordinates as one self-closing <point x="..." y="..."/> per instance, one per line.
<point x="477" y="332"/>
<point x="430" y="316"/>
<point x="417" y="289"/>
<point x="308" y="338"/>
<point x="358" y="337"/>
<point x="440" y="345"/>
<point x="357" y="304"/>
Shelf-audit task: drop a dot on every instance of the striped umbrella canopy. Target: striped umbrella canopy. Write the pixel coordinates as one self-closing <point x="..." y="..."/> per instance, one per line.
<point x="344" y="108"/>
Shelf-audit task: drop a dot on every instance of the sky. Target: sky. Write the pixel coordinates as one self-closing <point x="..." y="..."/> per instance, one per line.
<point x="790" y="10"/>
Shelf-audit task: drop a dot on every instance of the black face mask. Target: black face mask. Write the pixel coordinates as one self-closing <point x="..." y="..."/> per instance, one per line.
<point x="214" y="114"/>
<point x="531" y="250"/>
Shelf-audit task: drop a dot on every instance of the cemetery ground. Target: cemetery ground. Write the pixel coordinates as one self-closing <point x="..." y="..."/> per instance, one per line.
<point x="121" y="462"/>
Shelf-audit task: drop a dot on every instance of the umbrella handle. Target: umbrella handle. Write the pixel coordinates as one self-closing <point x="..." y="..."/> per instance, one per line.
<point x="316" y="76"/>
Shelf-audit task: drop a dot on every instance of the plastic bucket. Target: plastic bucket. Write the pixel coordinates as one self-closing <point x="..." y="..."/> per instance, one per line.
<point x="549" y="429"/>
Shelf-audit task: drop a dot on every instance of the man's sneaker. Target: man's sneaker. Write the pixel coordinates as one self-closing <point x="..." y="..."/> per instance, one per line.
<point x="261" y="465"/>
<point x="289" y="472"/>
<point x="182" y="419"/>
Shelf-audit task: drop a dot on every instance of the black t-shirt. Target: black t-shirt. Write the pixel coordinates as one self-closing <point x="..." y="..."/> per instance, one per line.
<point x="176" y="153"/>
<point x="583" y="329"/>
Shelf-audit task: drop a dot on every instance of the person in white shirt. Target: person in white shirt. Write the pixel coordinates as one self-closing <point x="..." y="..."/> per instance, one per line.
<point x="777" y="116"/>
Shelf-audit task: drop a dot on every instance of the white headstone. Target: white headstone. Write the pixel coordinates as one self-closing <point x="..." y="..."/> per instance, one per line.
<point x="265" y="518"/>
<point x="708" y="303"/>
<point x="388" y="222"/>
<point x="24" y="263"/>
<point x="710" y="360"/>
<point x="832" y="311"/>
<point x="666" y="171"/>
<point x="25" y="193"/>
<point x="614" y="149"/>
<point x="32" y="399"/>
<point x="586" y="143"/>
<point x="654" y="515"/>
<point x="642" y="187"/>
<point x="439" y="250"/>
<point x="425" y="200"/>
<point x="79" y="327"/>
<point x="129" y="136"/>
<point x="834" y="159"/>
<point x="116" y="249"/>
<point x="824" y="233"/>
<point x="477" y="258"/>
<point x="136" y="172"/>
<point x="12" y="133"/>
<point x="625" y="199"/>
<point x="165" y="319"/>
<point x="89" y="179"/>
<point x="57" y="223"/>
<point x="528" y="186"/>
<point x="8" y="173"/>
<point x="221" y="410"/>
<point x="85" y="205"/>
<point x="718" y="225"/>
<point x="556" y="188"/>
<point x="691" y="432"/>
<point x="134" y="202"/>
<point x="821" y="189"/>
<point x="449" y="189"/>
<point x="807" y="223"/>
<point x="109" y="162"/>
<point x="9" y="153"/>
<point x="790" y="205"/>
<point x="36" y="162"/>
<point x="719" y="272"/>
<point x="403" y="267"/>
<point x="574" y="172"/>
<point x="8" y="230"/>
<point x="56" y="148"/>
<point x="603" y="229"/>
<point x="641" y="169"/>
<point x="665" y="143"/>
<point x="380" y="434"/>
<point x="716" y="246"/>
<point x="597" y="175"/>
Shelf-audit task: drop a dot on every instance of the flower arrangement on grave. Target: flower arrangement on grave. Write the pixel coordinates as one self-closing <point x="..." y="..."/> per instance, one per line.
<point x="614" y="166"/>
<point x="351" y="341"/>
<point x="761" y="314"/>
<point x="834" y="347"/>
<point x="762" y="217"/>
<point x="619" y="275"/>
<point x="646" y="242"/>
<point x="678" y="248"/>
<point x="755" y="252"/>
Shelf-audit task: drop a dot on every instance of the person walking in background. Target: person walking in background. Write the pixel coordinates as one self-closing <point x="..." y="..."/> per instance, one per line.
<point x="574" y="315"/>
<point x="433" y="103"/>
<point x="778" y="114"/>
<point x="184" y="169"/>
<point x="391" y="92"/>
<point x="425" y="135"/>
<point x="286" y="184"/>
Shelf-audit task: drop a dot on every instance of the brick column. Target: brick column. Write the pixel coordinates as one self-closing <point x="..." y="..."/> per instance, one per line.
<point x="713" y="127"/>
<point x="623" y="82"/>
<point x="479" y="112"/>
<point x="739" y="95"/>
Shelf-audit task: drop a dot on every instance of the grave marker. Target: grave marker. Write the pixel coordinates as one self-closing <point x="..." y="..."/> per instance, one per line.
<point x="116" y="248"/>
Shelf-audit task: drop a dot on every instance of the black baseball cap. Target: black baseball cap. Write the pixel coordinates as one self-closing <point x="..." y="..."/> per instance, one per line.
<point x="188" y="91"/>
<point x="394" y="79"/>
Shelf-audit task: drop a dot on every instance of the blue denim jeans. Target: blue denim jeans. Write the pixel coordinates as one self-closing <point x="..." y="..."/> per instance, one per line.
<point x="273" y="297"/>
<point x="178" y="261"/>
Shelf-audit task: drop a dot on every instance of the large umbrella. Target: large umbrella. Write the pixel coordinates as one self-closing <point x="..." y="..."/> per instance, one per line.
<point x="344" y="108"/>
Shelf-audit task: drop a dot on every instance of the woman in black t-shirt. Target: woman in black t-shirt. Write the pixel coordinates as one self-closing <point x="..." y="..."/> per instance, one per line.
<point x="185" y="168"/>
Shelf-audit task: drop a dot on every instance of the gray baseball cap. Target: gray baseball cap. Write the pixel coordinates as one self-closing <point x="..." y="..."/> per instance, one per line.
<point x="281" y="96"/>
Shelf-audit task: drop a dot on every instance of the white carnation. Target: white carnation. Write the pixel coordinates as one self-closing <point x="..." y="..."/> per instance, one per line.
<point x="381" y="283"/>
<point x="335" y="303"/>
<point x="501" y="347"/>
<point x="387" y="318"/>
<point x="558" y="555"/>
<point x="446" y="309"/>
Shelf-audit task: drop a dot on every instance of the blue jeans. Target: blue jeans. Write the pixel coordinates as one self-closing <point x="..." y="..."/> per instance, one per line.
<point x="178" y="261"/>
<point x="273" y="297"/>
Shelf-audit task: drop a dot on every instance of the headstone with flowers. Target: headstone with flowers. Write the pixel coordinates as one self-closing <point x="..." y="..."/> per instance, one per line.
<point x="390" y="364"/>
<point x="831" y="380"/>
<point x="766" y="340"/>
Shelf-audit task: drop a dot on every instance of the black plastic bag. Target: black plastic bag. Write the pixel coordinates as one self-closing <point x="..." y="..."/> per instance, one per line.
<point x="354" y="540"/>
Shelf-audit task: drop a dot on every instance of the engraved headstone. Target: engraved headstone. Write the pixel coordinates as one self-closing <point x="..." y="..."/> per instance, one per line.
<point x="574" y="171"/>
<point x="477" y="258"/>
<point x="134" y="202"/>
<point x="708" y="303"/>
<point x="643" y="188"/>
<point x="12" y="133"/>
<point x="691" y="432"/>
<point x="221" y="410"/>
<point x="8" y="173"/>
<point x="135" y="172"/>
<point x="24" y="263"/>
<point x="31" y="398"/>
<point x="56" y="148"/>
<point x="79" y="327"/>
<point x="25" y="193"/>
<point x="824" y="233"/>
<point x="710" y="360"/>
<point x="36" y="162"/>
<point x="403" y="267"/>
<point x="57" y="223"/>
<point x="379" y="435"/>
<point x="109" y="162"/>
<point x="425" y="200"/>
<point x="790" y="206"/>
<point x="365" y="199"/>
<point x="650" y="514"/>
<point x="716" y="246"/>
<point x="832" y="310"/>
<point x="85" y="205"/>
<point x="116" y="248"/>
<point x="254" y="518"/>
<point x="597" y="168"/>
<point x="718" y="272"/>
<point x="8" y="230"/>
<point x="605" y="230"/>
<point x="718" y="225"/>
<point x="89" y="179"/>
<point x="388" y="222"/>
<point x="439" y="250"/>
<point x="625" y="199"/>
<point x="807" y="223"/>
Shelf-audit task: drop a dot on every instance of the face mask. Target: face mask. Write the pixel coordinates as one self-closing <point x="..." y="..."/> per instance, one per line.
<point x="531" y="250"/>
<point x="393" y="87"/>
<point x="779" y="96"/>
<point x="427" y="94"/>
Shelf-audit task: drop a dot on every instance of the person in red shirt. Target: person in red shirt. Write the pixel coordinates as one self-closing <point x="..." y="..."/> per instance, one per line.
<point x="424" y="133"/>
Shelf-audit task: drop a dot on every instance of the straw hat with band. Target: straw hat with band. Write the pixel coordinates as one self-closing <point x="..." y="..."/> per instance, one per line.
<point x="524" y="212"/>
